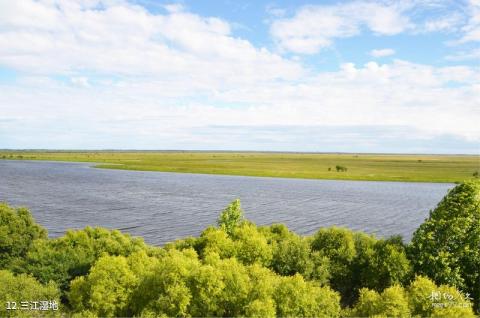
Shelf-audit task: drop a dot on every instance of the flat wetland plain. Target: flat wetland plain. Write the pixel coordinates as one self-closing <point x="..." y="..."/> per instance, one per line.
<point x="380" y="167"/>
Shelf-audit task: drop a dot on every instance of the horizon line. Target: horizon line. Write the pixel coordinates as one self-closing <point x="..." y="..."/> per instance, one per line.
<point x="230" y="151"/>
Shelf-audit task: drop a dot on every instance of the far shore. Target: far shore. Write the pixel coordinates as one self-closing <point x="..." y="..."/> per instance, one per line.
<point x="333" y="166"/>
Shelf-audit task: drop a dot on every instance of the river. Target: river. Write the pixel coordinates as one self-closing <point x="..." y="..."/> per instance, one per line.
<point x="163" y="206"/>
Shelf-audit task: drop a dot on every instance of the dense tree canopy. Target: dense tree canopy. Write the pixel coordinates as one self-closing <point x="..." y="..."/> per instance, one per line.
<point x="446" y="247"/>
<point x="18" y="230"/>
<point x="239" y="269"/>
<point x="421" y="299"/>
<point x="15" y="290"/>
<point x="62" y="259"/>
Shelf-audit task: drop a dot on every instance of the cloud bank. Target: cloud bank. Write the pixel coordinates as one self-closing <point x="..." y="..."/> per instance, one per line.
<point x="111" y="74"/>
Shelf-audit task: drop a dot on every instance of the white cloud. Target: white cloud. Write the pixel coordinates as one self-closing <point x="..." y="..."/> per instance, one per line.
<point x="473" y="54"/>
<point x="382" y="52"/>
<point x="471" y="30"/>
<point x="315" y="27"/>
<point x="448" y="23"/>
<point x="160" y="80"/>
<point x="417" y="98"/>
<point x="118" y="38"/>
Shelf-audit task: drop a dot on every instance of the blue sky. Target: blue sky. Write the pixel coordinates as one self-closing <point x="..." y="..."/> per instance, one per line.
<point x="349" y="76"/>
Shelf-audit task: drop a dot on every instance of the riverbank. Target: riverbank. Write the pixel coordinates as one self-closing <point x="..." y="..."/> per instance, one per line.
<point x="369" y="167"/>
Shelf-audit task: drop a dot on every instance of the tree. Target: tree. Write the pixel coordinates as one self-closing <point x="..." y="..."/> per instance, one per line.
<point x="18" y="230"/>
<point x="231" y="217"/>
<point x="424" y="296"/>
<point x="338" y="245"/>
<point x="250" y="245"/>
<point x="421" y="299"/>
<point x="446" y="246"/>
<point x="64" y="258"/>
<point x="291" y="256"/>
<point x="214" y="240"/>
<point x="294" y="297"/>
<point x="260" y="299"/>
<point x="392" y="302"/>
<point x="340" y="168"/>
<point x="165" y="290"/>
<point x="381" y="264"/>
<point x="107" y="288"/>
<point x="23" y="288"/>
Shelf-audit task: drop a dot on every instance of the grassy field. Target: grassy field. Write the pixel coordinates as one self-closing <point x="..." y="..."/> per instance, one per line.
<point x="426" y="168"/>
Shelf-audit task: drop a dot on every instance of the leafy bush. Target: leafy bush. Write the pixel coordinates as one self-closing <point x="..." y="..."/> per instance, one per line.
<point x="107" y="289"/>
<point x="295" y="297"/>
<point x="62" y="259"/>
<point x="231" y="217"/>
<point x="23" y="288"/>
<point x="359" y="260"/>
<point x="18" y="230"/>
<point x="421" y="299"/>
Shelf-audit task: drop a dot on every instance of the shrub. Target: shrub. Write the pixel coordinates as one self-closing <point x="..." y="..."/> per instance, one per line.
<point x="25" y="288"/>
<point x="231" y="217"/>
<point x="62" y="259"/>
<point x="106" y="289"/>
<point x="416" y="300"/>
<point x="251" y="246"/>
<point x="18" y="230"/>
<point x="337" y="244"/>
<point x="294" y="297"/>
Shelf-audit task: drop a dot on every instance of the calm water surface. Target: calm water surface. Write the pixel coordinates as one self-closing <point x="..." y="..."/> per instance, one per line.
<point x="161" y="206"/>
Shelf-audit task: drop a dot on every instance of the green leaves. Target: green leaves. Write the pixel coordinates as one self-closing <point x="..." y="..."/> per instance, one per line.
<point x="231" y="217"/>
<point x="446" y="247"/>
<point x="421" y="299"/>
<point x="24" y="288"/>
<point x="62" y="259"/>
<point x="18" y="230"/>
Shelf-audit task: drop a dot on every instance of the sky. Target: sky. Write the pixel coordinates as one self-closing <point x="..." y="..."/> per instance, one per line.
<point x="315" y="76"/>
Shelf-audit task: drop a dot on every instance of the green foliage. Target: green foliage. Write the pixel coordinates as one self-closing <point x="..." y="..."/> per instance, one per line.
<point x="17" y="232"/>
<point x="245" y="243"/>
<point x="416" y="300"/>
<point x="338" y="245"/>
<point x="251" y="246"/>
<point x="446" y="247"/>
<point x="62" y="259"/>
<point x="165" y="290"/>
<point x="392" y="302"/>
<point x="292" y="254"/>
<point x="231" y="217"/>
<point x="214" y="240"/>
<point x="358" y="260"/>
<point x="381" y="263"/>
<point x="297" y="298"/>
<point x="106" y="288"/>
<point x="341" y="168"/>
<point x="25" y="288"/>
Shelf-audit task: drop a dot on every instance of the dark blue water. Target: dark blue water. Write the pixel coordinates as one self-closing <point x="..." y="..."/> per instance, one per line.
<point x="162" y="206"/>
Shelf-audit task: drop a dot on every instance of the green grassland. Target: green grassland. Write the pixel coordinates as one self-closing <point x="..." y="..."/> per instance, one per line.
<point x="423" y="168"/>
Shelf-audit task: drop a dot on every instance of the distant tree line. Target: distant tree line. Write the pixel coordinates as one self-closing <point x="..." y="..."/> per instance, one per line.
<point x="239" y="269"/>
